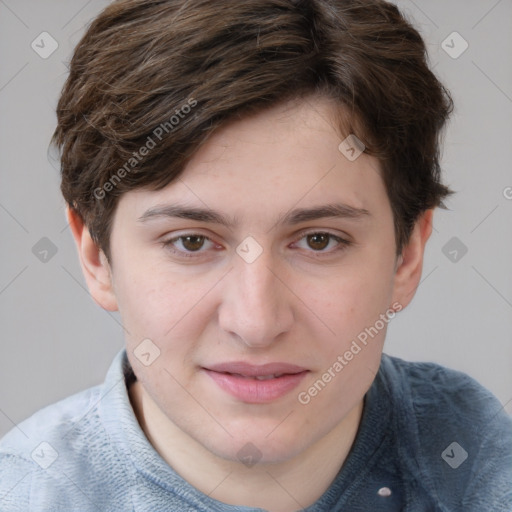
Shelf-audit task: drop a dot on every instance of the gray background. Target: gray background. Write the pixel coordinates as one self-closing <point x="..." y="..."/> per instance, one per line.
<point x="55" y="340"/>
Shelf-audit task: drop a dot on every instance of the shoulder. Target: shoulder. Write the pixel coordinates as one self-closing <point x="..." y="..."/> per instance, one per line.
<point x="68" y="423"/>
<point x="52" y="423"/>
<point x="456" y="437"/>
<point x="63" y="457"/>
<point x="49" y="439"/>
<point x="443" y="394"/>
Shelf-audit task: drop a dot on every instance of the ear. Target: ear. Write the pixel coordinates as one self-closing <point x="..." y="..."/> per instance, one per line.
<point x="93" y="261"/>
<point x="410" y="262"/>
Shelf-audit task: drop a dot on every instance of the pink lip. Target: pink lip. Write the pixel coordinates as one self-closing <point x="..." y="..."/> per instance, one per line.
<point x="238" y="379"/>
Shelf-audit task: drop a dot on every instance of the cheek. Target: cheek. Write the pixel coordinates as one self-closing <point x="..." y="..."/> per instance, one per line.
<point x="351" y="356"/>
<point x="143" y="305"/>
<point x="150" y="302"/>
<point x="353" y="307"/>
<point x="352" y="299"/>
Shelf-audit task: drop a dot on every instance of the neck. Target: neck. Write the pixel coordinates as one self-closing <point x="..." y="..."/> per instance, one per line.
<point x="278" y="487"/>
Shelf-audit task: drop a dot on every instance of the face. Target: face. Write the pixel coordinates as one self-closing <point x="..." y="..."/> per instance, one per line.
<point x="256" y="326"/>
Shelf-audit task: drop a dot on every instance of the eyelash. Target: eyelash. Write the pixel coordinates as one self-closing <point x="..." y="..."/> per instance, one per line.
<point x="342" y="244"/>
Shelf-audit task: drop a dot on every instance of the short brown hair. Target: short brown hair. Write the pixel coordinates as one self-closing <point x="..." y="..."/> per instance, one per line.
<point x="143" y="62"/>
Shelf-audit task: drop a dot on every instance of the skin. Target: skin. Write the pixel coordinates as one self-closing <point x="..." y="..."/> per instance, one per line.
<point x="299" y="302"/>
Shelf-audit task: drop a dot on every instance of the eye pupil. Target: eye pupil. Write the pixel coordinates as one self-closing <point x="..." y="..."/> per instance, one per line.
<point x="193" y="242"/>
<point x="320" y="240"/>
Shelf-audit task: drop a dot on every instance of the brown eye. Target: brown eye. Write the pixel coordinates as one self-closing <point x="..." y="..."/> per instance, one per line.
<point x="192" y="242"/>
<point x="188" y="245"/>
<point x="319" y="241"/>
<point x="322" y="243"/>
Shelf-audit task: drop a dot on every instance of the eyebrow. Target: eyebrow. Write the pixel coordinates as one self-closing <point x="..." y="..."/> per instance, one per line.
<point x="296" y="216"/>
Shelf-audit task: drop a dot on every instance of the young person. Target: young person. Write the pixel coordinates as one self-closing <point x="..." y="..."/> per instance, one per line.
<point x="251" y="185"/>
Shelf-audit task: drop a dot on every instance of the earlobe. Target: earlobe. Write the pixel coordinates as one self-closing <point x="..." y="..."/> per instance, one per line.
<point x="95" y="267"/>
<point x="410" y="261"/>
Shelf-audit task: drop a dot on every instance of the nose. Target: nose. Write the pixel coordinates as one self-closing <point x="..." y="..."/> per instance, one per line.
<point x="257" y="305"/>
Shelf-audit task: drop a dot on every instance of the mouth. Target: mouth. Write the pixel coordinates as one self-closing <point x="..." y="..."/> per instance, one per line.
<point x="258" y="377"/>
<point x="256" y="384"/>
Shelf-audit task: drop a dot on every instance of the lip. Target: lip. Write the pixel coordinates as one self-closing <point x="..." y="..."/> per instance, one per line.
<point x="239" y="380"/>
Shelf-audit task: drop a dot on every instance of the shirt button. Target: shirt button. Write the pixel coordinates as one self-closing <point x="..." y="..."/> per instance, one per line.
<point x="384" y="492"/>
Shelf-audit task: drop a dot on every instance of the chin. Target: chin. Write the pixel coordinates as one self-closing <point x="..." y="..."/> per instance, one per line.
<point x="254" y="445"/>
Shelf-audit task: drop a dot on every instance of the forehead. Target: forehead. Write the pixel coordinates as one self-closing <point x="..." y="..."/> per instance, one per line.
<point x="266" y="164"/>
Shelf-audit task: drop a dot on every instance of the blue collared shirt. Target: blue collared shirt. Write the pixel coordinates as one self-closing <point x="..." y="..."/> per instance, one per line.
<point x="430" y="440"/>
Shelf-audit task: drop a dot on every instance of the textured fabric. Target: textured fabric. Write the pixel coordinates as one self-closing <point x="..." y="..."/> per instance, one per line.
<point x="95" y="457"/>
